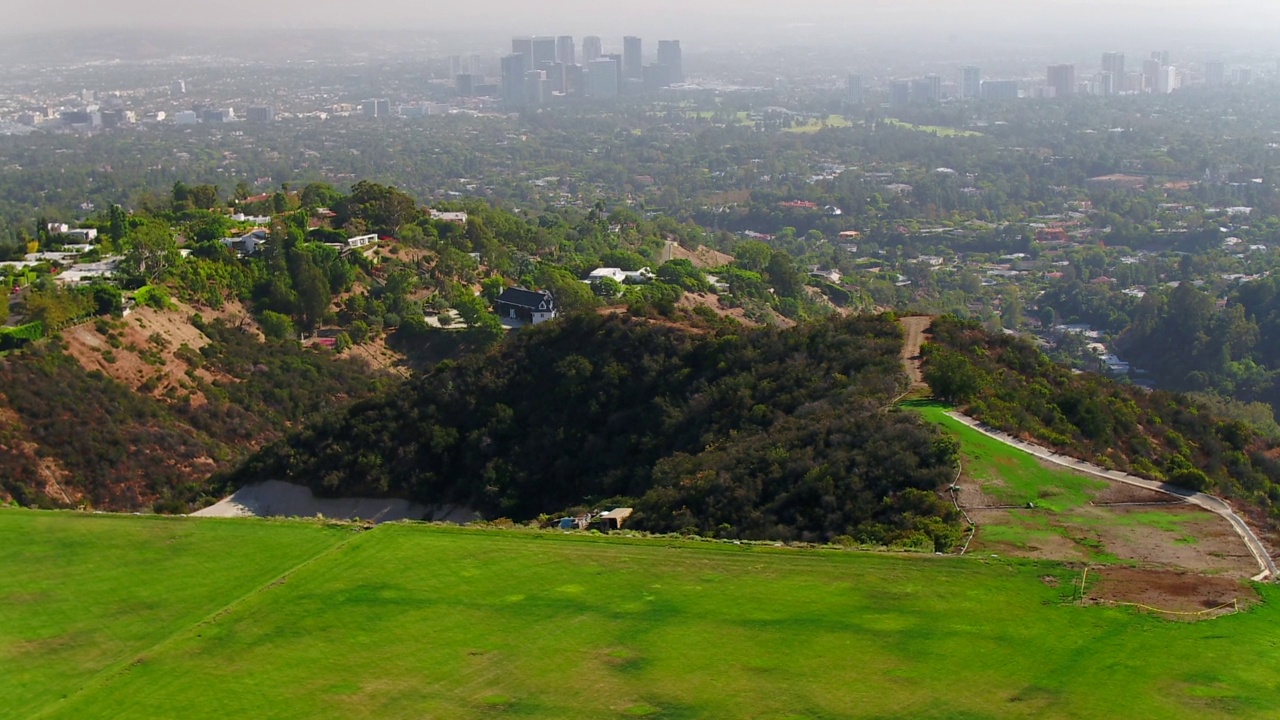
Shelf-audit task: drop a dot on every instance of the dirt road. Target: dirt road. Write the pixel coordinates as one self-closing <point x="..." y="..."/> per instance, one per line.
<point x="1208" y="502"/>
<point x="914" y="328"/>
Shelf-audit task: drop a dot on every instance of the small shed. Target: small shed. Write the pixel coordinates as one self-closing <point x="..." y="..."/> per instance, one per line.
<point x="613" y="519"/>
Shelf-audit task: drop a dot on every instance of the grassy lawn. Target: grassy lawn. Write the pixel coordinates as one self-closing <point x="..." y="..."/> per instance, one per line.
<point x="935" y="129"/>
<point x="833" y="121"/>
<point x="82" y="593"/>
<point x="1008" y="475"/>
<point x="416" y="622"/>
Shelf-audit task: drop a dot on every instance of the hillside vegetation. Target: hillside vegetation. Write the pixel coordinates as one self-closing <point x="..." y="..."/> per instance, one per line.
<point x="1006" y="382"/>
<point x="733" y="432"/>
<point x="71" y="436"/>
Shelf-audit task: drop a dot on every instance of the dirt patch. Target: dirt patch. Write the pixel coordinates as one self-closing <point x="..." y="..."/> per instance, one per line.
<point x="1197" y="540"/>
<point x="278" y="499"/>
<point x="143" y="351"/>
<point x="1168" y="593"/>
<point x="702" y="258"/>
<point x="914" y="328"/>
<point x="1122" y="493"/>
<point x="1035" y="543"/>
<point x="689" y="301"/>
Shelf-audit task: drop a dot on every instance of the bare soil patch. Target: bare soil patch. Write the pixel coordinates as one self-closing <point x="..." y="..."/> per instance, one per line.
<point x="1202" y="542"/>
<point x="144" y="351"/>
<point x="915" y="328"/>
<point x="702" y="258"/>
<point x="1122" y="493"/>
<point x="1174" y="592"/>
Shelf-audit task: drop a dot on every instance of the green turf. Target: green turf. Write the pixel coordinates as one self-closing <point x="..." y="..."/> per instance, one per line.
<point x="420" y="622"/>
<point x="1009" y="475"/>
<point x="934" y="129"/>
<point x="79" y="593"/>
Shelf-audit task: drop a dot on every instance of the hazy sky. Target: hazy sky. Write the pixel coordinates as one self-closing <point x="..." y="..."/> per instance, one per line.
<point x="1249" y="20"/>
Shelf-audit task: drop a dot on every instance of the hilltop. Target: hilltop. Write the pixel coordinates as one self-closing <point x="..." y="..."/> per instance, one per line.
<point x="734" y="432"/>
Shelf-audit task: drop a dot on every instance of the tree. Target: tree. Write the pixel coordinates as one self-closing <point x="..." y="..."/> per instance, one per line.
<point x="606" y="287"/>
<point x="151" y="253"/>
<point x="205" y="197"/>
<point x="312" y="288"/>
<point x="276" y="326"/>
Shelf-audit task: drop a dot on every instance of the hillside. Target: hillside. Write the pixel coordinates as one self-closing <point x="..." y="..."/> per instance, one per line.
<point x="135" y="413"/>
<point x="1007" y="383"/>
<point x="734" y="432"/>
<point x="180" y="617"/>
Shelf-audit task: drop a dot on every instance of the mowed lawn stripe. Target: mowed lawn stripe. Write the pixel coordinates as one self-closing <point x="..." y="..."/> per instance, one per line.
<point x="80" y="593"/>
<point x="411" y="622"/>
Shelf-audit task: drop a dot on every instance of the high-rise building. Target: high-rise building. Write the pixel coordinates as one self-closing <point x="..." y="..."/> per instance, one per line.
<point x="1062" y="78"/>
<point x="544" y="50"/>
<point x="1215" y="73"/>
<point x="537" y="88"/>
<point x="669" y="55"/>
<point x="592" y="49"/>
<point x="1242" y="76"/>
<point x="926" y="89"/>
<point x="1113" y="62"/>
<point x="1162" y="56"/>
<point x="1104" y="84"/>
<point x="376" y="108"/>
<point x="554" y="73"/>
<point x="566" y="52"/>
<point x="998" y="90"/>
<point x="853" y="90"/>
<point x="970" y="82"/>
<point x="617" y="60"/>
<point x="465" y="84"/>
<point x="513" y="79"/>
<point x="260" y="114"/>
<point x="1150" y="71"/>
<point x="1166" y="80"/>
<point x="179" y="87"/>
<point x="632" y="58"/>
<point x="900" y="93"/>
<point x="602" y="78"/>
<point x="523" y="46"/>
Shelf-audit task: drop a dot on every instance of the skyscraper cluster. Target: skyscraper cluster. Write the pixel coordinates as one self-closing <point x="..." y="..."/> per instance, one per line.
<point x="540" y="68"/>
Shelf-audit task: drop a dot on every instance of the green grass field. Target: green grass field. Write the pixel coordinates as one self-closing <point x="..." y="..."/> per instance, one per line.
<point x="1008" y="475"/>
<point x="832" y="121"/>
<point x="123" y="617"/>
<point x="935" y="129"/>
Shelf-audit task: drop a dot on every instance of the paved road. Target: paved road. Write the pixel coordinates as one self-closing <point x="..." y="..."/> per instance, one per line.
<point x="1208" y="502"/>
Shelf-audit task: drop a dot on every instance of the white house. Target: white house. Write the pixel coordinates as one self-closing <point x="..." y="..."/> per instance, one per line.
<point x="453" y="217"/>
<point x="613" y="273"/>
<point x="361" y="241"/>
<point x="85" y="235"/>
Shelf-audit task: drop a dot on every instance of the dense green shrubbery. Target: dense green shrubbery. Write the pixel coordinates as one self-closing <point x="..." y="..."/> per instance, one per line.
<point x="1007" y="383"/>
<point x="751" y="433"/>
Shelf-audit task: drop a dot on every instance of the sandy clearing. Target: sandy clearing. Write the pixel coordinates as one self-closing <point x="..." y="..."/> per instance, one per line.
<point x="279" y="499"/>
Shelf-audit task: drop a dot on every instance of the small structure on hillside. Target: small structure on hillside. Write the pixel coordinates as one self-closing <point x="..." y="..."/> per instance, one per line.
<point x="613" y="519"/>
<point x="529" y="306"/>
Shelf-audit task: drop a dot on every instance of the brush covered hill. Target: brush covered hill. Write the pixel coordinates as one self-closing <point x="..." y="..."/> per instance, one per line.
<point x="1008" y="383"/>
<point x="753" y="433"/>
<point x="106" y="417"/>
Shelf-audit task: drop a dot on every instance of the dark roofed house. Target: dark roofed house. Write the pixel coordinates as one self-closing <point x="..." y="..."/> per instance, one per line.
<point x="530" y="306"/>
